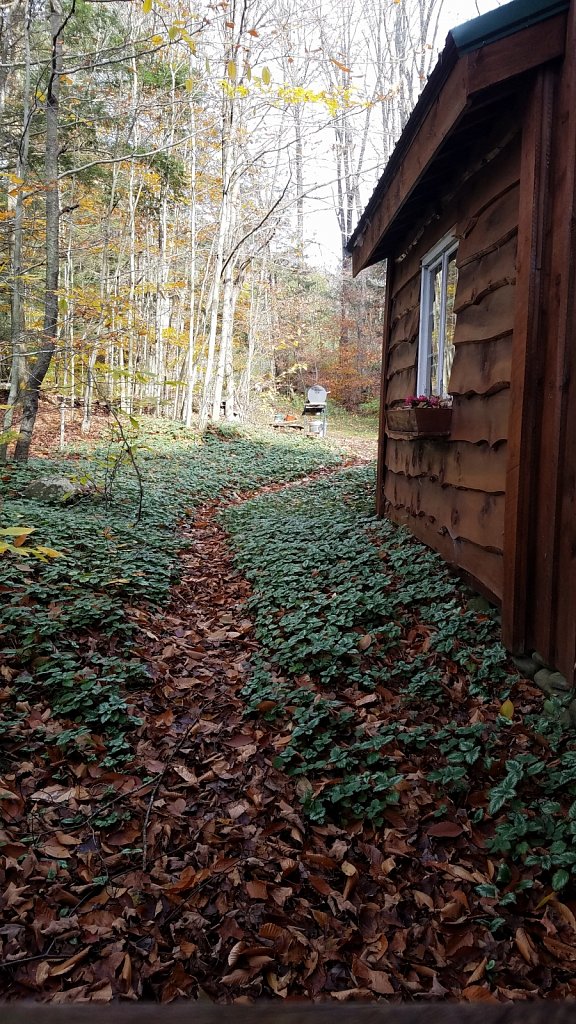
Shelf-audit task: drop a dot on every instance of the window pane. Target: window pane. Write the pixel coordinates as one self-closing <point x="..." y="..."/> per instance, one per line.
<point x="436" y="321"/>
<point x="437" y="318"/>
<point x="450" y="323"/>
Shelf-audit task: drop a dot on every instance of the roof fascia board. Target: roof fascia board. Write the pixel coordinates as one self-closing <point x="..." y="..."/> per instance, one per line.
<point x="471" y="74"/>
<point x="504" y="21"/>
<point x="514" y="55"/>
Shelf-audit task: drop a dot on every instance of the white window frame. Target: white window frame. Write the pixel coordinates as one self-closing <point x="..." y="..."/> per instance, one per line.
<point x="439" y="256"/>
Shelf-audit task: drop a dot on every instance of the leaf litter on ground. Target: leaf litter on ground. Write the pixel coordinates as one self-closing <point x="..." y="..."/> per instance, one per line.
<point x="301" y="808"/>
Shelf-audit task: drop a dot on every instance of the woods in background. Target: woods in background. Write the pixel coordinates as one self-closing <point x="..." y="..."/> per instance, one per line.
<point x="167" y="169"/>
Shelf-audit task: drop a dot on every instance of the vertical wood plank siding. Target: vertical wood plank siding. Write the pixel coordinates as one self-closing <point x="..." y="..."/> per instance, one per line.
<point x="527" y="355"/>
<point x="450" y="492"/>
<point x="552" y="594"/>
<point x="382" y="438"/>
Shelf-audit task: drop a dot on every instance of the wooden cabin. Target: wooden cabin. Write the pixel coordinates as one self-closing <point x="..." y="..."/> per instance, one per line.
<point x="475" y="215"/>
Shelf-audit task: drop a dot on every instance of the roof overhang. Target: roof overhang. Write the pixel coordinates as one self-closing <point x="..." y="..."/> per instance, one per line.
<point x="478" y="60"/>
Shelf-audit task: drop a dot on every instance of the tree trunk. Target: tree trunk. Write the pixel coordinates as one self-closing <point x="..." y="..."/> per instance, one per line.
<point x="299" y="161"/>
<point x="87" y="404"/>
<point x="43" y="357"/>
<point x="228" y="212"/>
<point x="228" y="306"/>
<point x="191" y="358"/>
<point x="17" y="370"/>
<point x="223" y="239"/>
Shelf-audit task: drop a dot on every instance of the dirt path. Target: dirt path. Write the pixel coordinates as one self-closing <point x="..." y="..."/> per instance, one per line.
<point x="194" y="873"/>
<point x="258" y="899"/>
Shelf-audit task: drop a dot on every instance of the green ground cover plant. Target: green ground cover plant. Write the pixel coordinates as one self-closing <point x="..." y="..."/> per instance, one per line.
<point x="56" y="612"/>
<point x="388" y="689"/>
<point x="381" y="784"/>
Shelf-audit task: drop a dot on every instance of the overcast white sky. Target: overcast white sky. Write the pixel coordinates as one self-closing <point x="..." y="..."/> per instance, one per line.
<point x="457" y="11"/>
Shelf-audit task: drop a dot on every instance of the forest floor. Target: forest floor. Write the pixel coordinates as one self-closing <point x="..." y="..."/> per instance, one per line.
<point x="261" y="745"/>
<point x="354" y="435"/>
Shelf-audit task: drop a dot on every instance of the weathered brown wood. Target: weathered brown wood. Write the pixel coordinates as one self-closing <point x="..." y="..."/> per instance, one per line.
<point x="407" y="295"/>
<point x="490" y="248"/>
<point x="497" y="217"/>
<point x="490" y="318"/>
<point x="400" y="385"/>
<point x="516" y="54"/>
<point x="491" y="188"/>
<point x="415" y="245"/>
<point x="489" y="185"/>
<point x="490" y="227"/>
<point x="192" y="1012"/>
<point x="495" y="196"/>
<point x="402" y="357"/>
<point x="443" y="490"/>
<point x="479" y="418"/>
<point x="553" y="583"/>
<point x="498" y="265"/>
<point x="440" y="120"/>
<point x="514" y="371"/>
<point x="460" y="213"/>
<point x="464" y="515"/>
<point x="524" y="421"/>
<point x="481" y="368"/>
<point x="497" y="175"/>
<point x="406" y="327"/>
<point x="408" y="267"/>
<point x="483" y="568"/>
<point x="475" y="467"/>
<point x="418" y="422"/>
<point x="382" y="439"/>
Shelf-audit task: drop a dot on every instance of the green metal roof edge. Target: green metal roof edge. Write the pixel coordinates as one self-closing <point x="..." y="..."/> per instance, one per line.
<point x="504" y="21"/>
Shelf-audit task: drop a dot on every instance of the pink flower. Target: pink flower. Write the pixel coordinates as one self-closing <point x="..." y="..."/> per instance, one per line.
<point x="424" y="402"/>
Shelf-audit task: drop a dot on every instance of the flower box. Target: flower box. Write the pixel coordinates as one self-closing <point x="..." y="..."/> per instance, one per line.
<point x="419" y="422"/>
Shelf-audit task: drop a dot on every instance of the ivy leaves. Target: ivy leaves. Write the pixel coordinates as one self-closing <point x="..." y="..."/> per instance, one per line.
<point x="65" y="603"/>
<point x="371" y="663"/>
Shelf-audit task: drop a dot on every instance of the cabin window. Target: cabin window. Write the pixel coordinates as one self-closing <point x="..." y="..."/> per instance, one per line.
<point x="437" y="318"/>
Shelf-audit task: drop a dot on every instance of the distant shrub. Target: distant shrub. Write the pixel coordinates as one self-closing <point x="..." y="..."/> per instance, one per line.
<point x="224" y="430"/>
<point x="370" y="408"/>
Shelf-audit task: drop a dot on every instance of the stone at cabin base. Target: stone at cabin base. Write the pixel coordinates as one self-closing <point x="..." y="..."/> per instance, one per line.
<point x="550" y="682"/>
<point x="526" y="666"/>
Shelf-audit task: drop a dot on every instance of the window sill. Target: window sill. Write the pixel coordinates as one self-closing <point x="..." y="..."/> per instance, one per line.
<point x="416" y="423"/>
